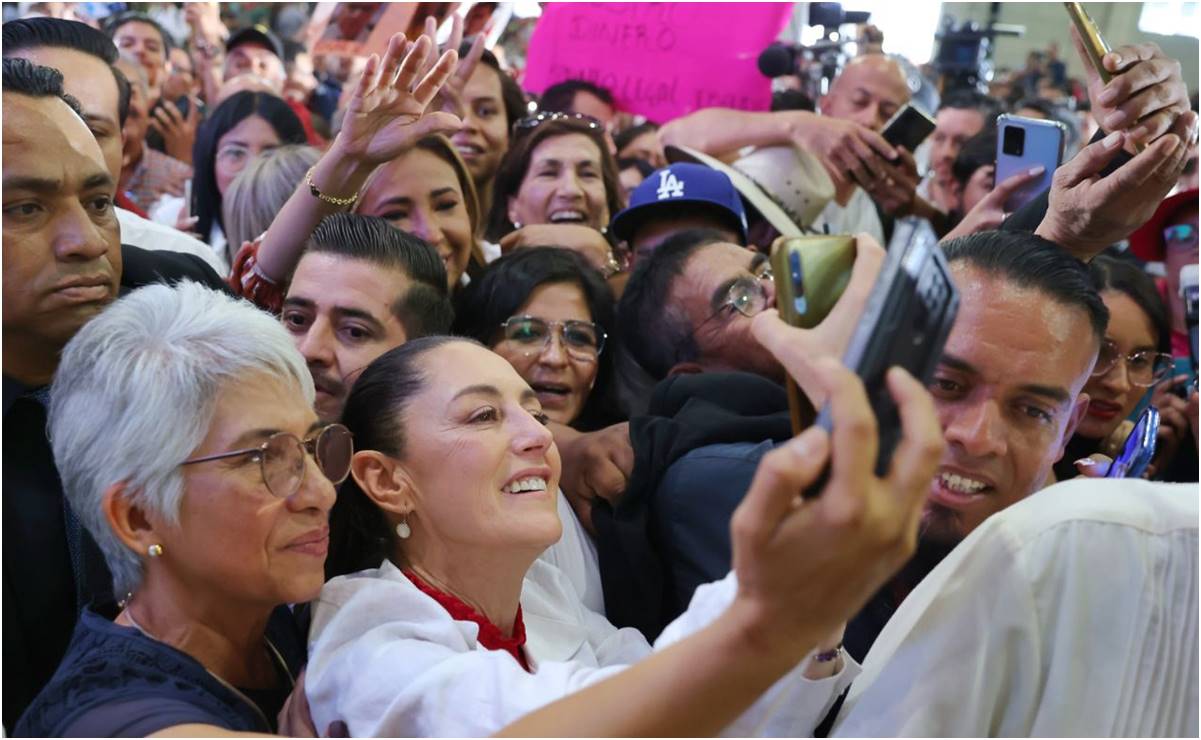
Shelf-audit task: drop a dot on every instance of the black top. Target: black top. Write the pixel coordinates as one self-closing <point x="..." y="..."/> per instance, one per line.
<point x="52" y="568"/>
<point x="117" y="682"/>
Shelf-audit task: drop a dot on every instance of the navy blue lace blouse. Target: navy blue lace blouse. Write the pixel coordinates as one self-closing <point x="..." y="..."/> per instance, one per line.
<point x="116" y="682"/>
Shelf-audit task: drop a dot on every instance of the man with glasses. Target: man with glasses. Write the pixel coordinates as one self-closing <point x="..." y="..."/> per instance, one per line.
<point x="1008" y="391"/>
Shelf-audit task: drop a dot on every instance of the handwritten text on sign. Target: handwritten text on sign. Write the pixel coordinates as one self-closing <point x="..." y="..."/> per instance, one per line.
<point x="662" y="60"/>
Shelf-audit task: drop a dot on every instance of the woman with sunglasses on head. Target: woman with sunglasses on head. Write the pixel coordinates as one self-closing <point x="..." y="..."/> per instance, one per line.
<point x="183" y="429"/>
<point x="558" y="185"/>
<point x="1133" y="359"/>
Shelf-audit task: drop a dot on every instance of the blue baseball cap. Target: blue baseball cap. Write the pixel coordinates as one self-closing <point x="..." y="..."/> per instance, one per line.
<point x="682" y="182"/>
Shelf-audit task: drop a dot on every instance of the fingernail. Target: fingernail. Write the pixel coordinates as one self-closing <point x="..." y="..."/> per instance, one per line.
<point x="1085" y="462"/>
<point x="1111" y="141"/>
<point x="1036" y="170"/>
<point x="1117" y="58"/>
<point x="1107" y="96"/>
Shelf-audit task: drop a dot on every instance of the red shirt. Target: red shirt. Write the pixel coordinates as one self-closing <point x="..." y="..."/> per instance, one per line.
<point x="490" y="635"/>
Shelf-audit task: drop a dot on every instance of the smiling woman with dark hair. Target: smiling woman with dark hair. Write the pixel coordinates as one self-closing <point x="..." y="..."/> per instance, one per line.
<point x="558" y="170"/>
<point x="552" y="317"/>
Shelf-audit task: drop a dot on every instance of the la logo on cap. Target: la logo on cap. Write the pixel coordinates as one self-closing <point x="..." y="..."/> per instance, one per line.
<point x="670" y="186"/>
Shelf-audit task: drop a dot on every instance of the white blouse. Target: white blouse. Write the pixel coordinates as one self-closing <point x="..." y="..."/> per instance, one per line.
<point x="388" y="660"/>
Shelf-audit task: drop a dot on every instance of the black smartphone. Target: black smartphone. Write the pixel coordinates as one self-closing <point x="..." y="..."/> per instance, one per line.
<point x="1139" y="448"/>
<point x="908" y="127"/>
<point x="906" y="322"/>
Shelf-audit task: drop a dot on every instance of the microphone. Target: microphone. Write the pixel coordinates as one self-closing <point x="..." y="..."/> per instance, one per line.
<point x="777" y="60"/>
<point x="1188" y="291"/>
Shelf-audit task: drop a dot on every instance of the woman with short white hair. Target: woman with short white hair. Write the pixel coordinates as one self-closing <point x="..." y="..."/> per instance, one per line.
<point x="183" y="429"/>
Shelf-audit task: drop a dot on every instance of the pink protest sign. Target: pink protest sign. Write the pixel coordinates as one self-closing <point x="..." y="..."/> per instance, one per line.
<point x="661" y="60"/>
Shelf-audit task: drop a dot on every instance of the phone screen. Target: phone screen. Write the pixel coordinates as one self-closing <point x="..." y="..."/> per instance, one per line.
<point x="1139" y="447"/>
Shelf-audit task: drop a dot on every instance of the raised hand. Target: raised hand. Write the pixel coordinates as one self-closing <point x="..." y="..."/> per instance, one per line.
<point x="1145" y="95"/>
<point x="178" y="131"/>
<point x="450" y="99"/>
<point x="806" y="565"/>
<point x="388" y="112"/>
<point x="1086" y="212"/>
<point x="800" y="349"/>
<point x="851" y="153"/>
<point x="989" y="212"/>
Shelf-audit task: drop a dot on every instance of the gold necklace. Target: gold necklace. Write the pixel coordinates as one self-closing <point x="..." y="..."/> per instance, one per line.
<point x="274" y="653"/>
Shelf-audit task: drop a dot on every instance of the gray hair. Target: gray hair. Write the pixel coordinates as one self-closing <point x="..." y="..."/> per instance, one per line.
<point x="260" y="190"/>
<point x="135" y="394"/>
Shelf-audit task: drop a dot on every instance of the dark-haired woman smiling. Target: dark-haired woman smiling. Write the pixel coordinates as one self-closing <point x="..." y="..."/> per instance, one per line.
<point x="1133" y="359"/>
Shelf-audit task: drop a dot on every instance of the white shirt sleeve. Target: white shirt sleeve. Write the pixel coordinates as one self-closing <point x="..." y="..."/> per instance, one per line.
<point x="389" y="661"/>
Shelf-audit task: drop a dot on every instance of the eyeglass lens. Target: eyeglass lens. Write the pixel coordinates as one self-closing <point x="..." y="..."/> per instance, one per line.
<point x="580" y="338"/>
<point x="1144" y="368"/>
<point x="283" y="461"/>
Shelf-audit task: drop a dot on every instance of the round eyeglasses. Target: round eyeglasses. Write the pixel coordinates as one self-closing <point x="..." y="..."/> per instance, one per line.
<point x="746" y="295"/>
<point x="582" y="340"/>
<point x="281" y="458"/>
<point x="1145" y="368"/>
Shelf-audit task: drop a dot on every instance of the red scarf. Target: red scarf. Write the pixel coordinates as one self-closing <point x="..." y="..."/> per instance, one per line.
<point x="490" y="635"/>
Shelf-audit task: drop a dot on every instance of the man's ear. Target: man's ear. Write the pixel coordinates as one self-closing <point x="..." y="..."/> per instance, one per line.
<point x="1069" y="431"/>
<point x="384" y="480"/>
<point x="685" y="368"/>
<point x="129" y="521"/>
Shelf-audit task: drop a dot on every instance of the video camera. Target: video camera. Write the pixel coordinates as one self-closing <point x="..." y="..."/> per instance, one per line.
<point x="816" y="64"/>
<point x="964" y="58"/>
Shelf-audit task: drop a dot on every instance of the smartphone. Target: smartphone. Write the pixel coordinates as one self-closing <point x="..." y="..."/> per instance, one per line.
<point x="1094" y="43"/>
<point x="1139" y="449"/>
<point x="1188" y="294"/>
<point x="810" y="273"/>
<point x="1023" y="143"/>
<point x="906" y="322"/>
<point x="908" y="127"/>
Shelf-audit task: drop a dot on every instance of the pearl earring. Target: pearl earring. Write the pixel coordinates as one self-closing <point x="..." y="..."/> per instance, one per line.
<point x="154" y="551"/>
<point x="516" y="225"/>
<point x="403" y="530"/>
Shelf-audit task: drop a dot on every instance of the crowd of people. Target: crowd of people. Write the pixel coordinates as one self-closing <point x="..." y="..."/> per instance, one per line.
<point x="378" y="396"/>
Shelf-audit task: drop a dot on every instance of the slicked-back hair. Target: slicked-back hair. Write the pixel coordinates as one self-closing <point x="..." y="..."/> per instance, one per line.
<point x="424" y="309"/>
<point x="206" y="198"/>
<point x="23" y="77"/>
<point x="1029" y="261"/>
<point x="1127" y="277"/>
<point x="360" y="536"/>
<point x="506" y="285"/>
<point x="559" y="97"/>
<point x="136" y="392"/>
<point x="655" y="333"/>
<point x="56" y="33"/>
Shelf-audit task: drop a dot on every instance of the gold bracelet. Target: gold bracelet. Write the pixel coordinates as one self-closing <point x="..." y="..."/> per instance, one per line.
<point x="332" y="200"/>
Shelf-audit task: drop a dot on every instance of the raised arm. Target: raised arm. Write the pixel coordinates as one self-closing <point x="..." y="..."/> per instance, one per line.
<point x="387" y="114"/>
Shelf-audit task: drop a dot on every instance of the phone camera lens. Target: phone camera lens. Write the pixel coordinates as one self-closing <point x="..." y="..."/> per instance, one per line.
<point x="1014" y="141"/>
